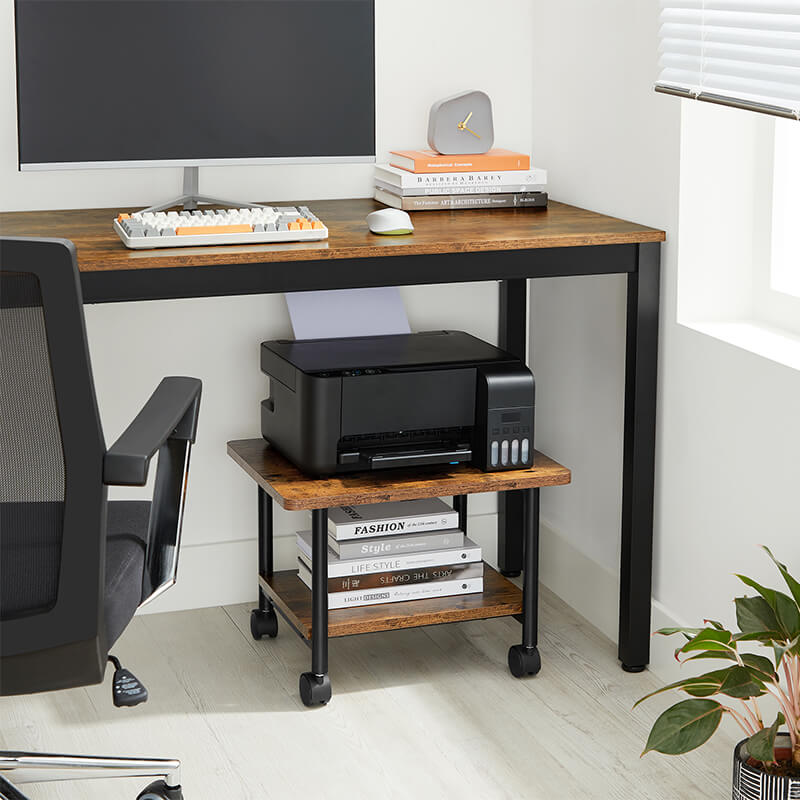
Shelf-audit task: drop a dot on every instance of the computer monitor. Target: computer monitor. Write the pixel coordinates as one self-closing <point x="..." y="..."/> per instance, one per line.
<point x="149" y="83"/>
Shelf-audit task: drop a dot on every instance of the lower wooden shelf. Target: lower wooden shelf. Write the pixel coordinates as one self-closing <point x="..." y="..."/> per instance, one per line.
<point x="499" y="598"/>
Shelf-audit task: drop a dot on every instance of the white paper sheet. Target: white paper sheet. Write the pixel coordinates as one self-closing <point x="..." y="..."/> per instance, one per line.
<point x="347" y="312"/>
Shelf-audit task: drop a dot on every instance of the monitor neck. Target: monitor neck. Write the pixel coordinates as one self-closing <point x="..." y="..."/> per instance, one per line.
<point x="191" y="197"/>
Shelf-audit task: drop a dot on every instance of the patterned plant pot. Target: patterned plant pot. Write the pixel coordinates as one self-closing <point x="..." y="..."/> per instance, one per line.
<point x="750" y="782"/>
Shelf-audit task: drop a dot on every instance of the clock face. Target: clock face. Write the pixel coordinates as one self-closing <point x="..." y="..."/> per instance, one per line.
<point x="461" y="124"/>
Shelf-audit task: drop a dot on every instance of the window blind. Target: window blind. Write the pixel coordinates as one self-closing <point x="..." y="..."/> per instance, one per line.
<point x="743" y="53"/>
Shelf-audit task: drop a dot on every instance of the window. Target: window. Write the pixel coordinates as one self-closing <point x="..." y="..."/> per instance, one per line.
<point x="785" y="246"/>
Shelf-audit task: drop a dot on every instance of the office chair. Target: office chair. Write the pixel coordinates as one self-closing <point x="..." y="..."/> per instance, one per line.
<point x="74" y="567"/>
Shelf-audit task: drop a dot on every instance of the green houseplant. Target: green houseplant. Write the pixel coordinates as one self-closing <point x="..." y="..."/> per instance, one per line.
<point x="768" y="759"/>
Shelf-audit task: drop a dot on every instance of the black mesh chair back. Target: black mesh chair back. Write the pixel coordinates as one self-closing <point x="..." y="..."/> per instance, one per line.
<point x="52" y="498"/>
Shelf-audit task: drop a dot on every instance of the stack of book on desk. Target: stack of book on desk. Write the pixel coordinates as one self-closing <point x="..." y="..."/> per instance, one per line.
<point x="423" y="180"/>
<point x="390" y="552"/>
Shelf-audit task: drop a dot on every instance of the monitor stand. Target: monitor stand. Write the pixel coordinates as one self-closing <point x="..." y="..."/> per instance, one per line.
<point x="190" y="198"/>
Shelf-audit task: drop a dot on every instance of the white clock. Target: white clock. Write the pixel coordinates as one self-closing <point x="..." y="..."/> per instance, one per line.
<point x="461" y="124"/>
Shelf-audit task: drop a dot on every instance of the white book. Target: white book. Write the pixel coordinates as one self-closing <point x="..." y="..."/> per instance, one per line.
<point x="343" y="568"/>
<point x="396" y="594"/>
<point x="447" y="182"/>
<point x="390" y="519"/>
<point x="466" y="188"/>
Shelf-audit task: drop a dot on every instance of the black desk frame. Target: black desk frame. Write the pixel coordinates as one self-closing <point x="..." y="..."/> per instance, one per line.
<point x="639" y="261"/>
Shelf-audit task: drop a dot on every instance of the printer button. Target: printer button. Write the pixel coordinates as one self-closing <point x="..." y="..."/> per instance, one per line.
<point x="504" y="452"/>
<point x="495" y="448"/>
<point x="525" y="451"/>
<point x="515" y="451"/>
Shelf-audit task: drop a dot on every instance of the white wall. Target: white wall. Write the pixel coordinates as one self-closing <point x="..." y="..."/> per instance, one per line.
<point x="728" y="430"/>
<point x="134" y="344"/>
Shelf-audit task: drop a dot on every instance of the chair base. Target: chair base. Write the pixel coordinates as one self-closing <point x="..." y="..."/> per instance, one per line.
<point x="40" y="767"/>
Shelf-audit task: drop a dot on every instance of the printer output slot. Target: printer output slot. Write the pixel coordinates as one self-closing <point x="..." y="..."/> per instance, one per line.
<point x="386" y="458"/>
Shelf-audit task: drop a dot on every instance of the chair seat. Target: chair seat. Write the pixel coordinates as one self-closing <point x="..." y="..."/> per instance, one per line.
<point x="125" y="547"/>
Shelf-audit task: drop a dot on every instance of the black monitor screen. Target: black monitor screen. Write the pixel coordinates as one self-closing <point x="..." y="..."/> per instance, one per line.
<point x="198" y="80"/>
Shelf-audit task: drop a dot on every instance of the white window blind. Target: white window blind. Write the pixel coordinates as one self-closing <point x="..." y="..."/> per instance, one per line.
<point x="744" y="53"/>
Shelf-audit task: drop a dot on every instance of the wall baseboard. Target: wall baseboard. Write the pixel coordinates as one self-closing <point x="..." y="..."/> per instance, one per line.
<point x="593" y="591"/>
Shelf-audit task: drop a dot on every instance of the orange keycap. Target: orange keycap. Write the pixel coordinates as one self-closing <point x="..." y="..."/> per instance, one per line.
<point x="305" y="225"/>
<point x="301" y="220"/>
<point x="317" y="225"/>
<point x="294" y="226"/>
<point x="194" y="230"/>
<point x="120" y="217"/>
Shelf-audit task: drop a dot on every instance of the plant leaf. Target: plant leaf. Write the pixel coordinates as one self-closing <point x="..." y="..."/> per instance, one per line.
<point x="697" y="686"/>
<point x="740" y="682"/>
<point x="761" y="745"/>
<point x="687" y="632"/>
<point x="755" y="614"/>
<point x="715" y="654"/>
<point x="709" y="639"/>
<point x="781" y="648"/>
<point x="684" y="726"/>
<point x="794" y="586"/>
<point x="785" y="608"/>
<point x="765" y="637"/>
<point x="761" y="666"/>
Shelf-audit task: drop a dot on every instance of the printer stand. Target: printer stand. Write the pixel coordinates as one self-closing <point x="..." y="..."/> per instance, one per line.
<point x="307" y="611"/>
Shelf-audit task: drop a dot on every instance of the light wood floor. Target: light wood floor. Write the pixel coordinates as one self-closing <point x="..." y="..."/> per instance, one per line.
<point x="424" y="713"/>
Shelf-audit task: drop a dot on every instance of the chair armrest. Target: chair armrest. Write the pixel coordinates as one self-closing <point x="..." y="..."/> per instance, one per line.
<point x="170" y="413"/>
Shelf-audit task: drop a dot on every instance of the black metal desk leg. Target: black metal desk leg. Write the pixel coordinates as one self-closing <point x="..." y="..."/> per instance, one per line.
<point x="513" y="337"/>
<point x="460" y="507"/>
<point x="638" y="471"/>
<point x="264" y="620"/>
<point x="523" y="659"/>
<point x="315" y="686"/>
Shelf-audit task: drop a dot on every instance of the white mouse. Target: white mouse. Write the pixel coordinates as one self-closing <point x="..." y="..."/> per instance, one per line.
<point x="389" y="221"/>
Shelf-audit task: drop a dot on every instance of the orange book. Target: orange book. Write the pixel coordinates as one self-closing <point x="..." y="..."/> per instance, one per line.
<point x="431" y="161"/>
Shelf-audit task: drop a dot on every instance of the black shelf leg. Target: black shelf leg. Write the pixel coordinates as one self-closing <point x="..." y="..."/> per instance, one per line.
<point x="460" y="507"/>
<point x="638" y="470"/>
<point x="523" y="659"/>
<point x="315" y="686"/>
<point x="264" y="620"/>
<point x="513" y="337"/>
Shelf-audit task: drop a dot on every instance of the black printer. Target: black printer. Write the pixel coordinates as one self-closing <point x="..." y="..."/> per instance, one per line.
<point x="360" y="403"/>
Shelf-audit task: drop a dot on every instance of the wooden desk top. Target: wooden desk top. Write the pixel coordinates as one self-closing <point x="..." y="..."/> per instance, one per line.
<point x="99" y="247"/>
<point x="295" y="491"/>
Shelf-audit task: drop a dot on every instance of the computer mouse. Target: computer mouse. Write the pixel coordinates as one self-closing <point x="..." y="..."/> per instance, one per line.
<point x="389" y="221"/>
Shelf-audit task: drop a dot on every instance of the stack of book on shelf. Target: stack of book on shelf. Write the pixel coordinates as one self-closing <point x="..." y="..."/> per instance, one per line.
<point x="423" y="180"/>
<point x="390" y="552"/>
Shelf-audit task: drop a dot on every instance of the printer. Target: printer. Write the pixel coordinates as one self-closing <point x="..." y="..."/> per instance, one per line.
<point x="375" y="402"/>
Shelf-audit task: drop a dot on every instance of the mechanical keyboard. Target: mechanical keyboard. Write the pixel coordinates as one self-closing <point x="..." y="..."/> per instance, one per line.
<point x="262" y="224"/>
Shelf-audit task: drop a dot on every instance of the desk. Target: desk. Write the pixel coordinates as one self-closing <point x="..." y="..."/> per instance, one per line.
<point x="507" y="245"/>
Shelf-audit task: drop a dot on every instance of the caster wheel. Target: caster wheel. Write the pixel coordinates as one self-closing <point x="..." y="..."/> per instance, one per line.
<point x="511" y="573"/>
<point x="314" y="690"/>
<point x="523" y="661"/>
<point x="634" y="667"/>
<point x="158" y="790"/>
<point x="263" y="623"/>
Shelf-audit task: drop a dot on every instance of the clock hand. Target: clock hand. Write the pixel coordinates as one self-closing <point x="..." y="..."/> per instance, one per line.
<point x="463" y="125"/>
<point x="471" y="131"/>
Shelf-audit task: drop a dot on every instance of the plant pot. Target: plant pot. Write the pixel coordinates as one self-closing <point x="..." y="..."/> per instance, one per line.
<point x="750" y="782"/>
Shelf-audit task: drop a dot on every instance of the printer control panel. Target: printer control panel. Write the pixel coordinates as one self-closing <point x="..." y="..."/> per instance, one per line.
<point x="510" y="438"/>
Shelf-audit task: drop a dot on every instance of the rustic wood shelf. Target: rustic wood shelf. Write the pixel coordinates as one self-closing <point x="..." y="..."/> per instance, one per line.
<point x="295" y="491"/>
<point x="500" y="598"/>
